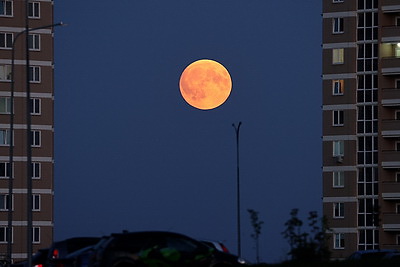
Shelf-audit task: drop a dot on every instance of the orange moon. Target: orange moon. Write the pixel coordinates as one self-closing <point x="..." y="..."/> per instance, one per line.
<point x="205" y="84"/>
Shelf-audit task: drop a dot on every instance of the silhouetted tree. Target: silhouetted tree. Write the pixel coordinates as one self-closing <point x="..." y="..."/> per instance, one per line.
<point x="307" y="246"/>
<point x="256" y="223"/>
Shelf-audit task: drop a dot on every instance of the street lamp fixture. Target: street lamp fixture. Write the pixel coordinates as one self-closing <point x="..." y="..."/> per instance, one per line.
<point x="11" y="146"/>
<point x="237" y="130"/>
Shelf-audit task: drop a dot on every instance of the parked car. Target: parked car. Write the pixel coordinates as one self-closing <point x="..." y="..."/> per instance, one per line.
<point x="374" y="254"/>
<point x="60" y="249"/>
<point x="38" y="260"/>
<point x="130" y="249"/>
<point x="216" y="244"/>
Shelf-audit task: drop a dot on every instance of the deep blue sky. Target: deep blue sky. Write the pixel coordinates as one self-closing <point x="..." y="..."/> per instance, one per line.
<point x="132" y="154"/>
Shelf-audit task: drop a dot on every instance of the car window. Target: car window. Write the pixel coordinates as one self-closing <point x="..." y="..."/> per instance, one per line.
<point x="182" y="245"/>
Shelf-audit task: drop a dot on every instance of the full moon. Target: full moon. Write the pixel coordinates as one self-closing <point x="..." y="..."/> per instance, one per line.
<point x="205" y="84"/>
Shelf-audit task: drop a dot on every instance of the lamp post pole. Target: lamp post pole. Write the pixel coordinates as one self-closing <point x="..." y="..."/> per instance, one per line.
<point x="11" y="147"/>
<point x="237" y="130"/>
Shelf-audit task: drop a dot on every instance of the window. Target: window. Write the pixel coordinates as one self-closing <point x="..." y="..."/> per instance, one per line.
<point x="4" y="202"/>
<point x="337" y="25"/>
<point x="398" y="177"/>
<point x="34" y="10"/>
<point x="398" y="208"/>
<point x="5" y="72"/>
<point x="398" y="239"/>
<point x="4" y="169"/>
<point x="36" y="170"/>
<point x="6" y="40"/>
<point x="397" y="115"/>
<point x="338" y="56"/>
<point x="338" y="210"/>
<point x="35" y="202"/>
<point x="397" y="21"/>
<point x="36" y="137"/>
<point x="338" y="241"/>
<point x="4" y="234"/>
<point x="6" y="8"/>
<point x="36" y="235"/>
<point x="34" y="42"/>
<point x="397" y="84"/>
<point x="337" y="1"/>
<point x="35" y="106"/>
<point x="338" y="179"/>
<point x="338" y="148"/>
<point x="338" y="87"/>
<point x="338" y="117"/>
<point x="4" y="137"/>
<point x="5" y="105"/>
<point x="34" y="74"/>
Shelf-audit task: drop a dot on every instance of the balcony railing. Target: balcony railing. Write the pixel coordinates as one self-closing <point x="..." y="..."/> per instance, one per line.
<point x="391" y="66"/>
<point x="390" y="6"/>
<point x="390" y="191"/>
<point x="391" y="222"/>
<point x="390" y="159"/>
<point x="390" y="97"/>
<point x="390" y="128"/>
<point x="390" y="34"/>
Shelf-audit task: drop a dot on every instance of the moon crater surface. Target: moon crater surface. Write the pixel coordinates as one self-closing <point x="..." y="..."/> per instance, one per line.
<point x="205" y="84"/>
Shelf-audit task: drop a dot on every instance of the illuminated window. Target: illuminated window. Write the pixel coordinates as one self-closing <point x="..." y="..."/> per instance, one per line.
<point x="338" y="179"/>
<point x="5" y="105"/>
<point x="338" y="117"/>
<point x="338" y="87"/>
<point x="6" y="8"/>
<point x="34" y="10"/>
<point x="6" y="40"/>
<point x="337" y="25"/>
<point x="338" y="1"/>
<point x="397" y="50"/>
<point x="34" y="42"/>
<point x="338" y="56"/>
<point x="338" y="148"/>
<point x="338" y="242"/>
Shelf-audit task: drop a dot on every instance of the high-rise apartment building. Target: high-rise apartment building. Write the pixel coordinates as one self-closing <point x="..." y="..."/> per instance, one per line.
<point x="361" y="124"/>
<point x="12" y="22"/>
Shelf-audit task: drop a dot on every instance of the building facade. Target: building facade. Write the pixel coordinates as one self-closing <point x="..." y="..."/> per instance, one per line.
<point x="361" y="124"/>
<point x="41" y="116"/>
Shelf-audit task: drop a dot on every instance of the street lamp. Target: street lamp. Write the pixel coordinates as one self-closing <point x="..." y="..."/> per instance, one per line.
<point x="11" y="146"/>
<point x="237" y="129"/>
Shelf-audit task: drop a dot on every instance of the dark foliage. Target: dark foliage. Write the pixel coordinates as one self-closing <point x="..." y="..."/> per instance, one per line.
<point x="307" y="246"/>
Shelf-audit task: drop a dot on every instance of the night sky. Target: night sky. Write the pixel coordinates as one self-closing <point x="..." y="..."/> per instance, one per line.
<point x="131" y="154"/>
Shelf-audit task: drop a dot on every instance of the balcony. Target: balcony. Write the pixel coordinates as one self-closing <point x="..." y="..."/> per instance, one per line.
<point x="390" y="191"/>
<point x="390" y="159"/>
<point x="390" y="34"/>
<point x="389" y="6"/>
<point x="391" y="66"/>
<point x="391" y="222"/>
<point x="390" y="97"/>
<point x="390" y="128"/>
